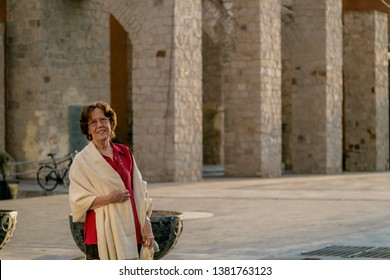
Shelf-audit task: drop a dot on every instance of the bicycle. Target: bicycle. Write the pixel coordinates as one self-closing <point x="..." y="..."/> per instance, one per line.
<point x="49" y="175"/>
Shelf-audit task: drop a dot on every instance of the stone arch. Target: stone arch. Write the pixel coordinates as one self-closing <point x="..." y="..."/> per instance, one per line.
<point x="166" y="115"/>
<point x="133" y="15"/>
<point x="150" y="106"/>
<point x="219" y="25"/>
<point x="218" y="44"/>
<point x="218" y="35"/>
<point x="136" y="20"/>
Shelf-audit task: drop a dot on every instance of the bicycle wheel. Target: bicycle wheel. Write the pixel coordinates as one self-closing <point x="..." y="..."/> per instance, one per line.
<point x="47" y="178"/>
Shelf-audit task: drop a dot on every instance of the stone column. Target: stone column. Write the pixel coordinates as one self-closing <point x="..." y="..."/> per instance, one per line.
<point x="2" y="90"/>
<point x="317" y="87"/>
<point x="252" y="88"/>
<point x="187" y="91"/>
<point x="167" y="93"/>
<point x="366" y="91"/>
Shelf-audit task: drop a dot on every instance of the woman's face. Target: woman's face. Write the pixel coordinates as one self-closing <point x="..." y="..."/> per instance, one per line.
<point x="99" y="126"/>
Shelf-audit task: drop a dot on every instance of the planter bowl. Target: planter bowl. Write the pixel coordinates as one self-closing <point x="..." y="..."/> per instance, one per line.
<point x="167" y="227"/>
<point x="8" y="219"/>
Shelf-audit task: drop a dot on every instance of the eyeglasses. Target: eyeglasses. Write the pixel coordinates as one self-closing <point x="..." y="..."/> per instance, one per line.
<point x="103" y="121"/>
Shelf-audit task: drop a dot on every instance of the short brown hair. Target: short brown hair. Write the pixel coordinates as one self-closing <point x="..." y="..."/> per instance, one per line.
<point x="85" y="117"/>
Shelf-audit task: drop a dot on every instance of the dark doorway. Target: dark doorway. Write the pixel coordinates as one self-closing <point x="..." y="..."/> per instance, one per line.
<point x="120" y="59"/>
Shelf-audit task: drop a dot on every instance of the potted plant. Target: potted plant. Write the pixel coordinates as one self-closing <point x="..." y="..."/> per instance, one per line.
<point x="5" y="192"/>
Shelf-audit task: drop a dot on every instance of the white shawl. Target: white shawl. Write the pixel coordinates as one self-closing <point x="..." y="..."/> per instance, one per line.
<point x="90" y="176"/>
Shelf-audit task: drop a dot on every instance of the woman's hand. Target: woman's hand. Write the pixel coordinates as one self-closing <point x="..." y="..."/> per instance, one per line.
<point x="116" y="196"/>
<point x="147" y="234"/>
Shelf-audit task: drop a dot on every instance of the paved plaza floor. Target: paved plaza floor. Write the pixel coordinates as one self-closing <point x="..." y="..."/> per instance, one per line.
<point x="232" y="218"/>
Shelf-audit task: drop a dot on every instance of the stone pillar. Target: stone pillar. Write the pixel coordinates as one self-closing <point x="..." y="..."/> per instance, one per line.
<point x="290" y="35"/>
<point x="317" y="87"/>
<point x="252" y="88"/>
<point x="2" y="90"/>
<point x="187" y="91"/>
<point x="366" y="91"/>
<point x="167" y="93"/>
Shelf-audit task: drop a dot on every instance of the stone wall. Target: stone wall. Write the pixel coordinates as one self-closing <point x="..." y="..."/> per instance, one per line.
<point x="149" y="25"/>
<point x="57" y="55"/>
<point x="364" y="5"/>
<point x="166" y="80"/>
<point x="366" y="91"/>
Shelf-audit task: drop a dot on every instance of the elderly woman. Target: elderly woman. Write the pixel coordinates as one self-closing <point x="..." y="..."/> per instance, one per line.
<point x="107" y="192"/>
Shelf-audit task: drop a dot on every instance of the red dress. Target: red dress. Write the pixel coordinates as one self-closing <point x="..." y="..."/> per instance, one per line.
<point x="122" y="156"/>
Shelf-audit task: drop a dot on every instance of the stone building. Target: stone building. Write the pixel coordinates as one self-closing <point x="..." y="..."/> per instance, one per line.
<point x="255" y="86"/>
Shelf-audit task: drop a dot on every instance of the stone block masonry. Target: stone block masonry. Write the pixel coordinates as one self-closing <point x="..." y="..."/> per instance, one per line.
<point x="317" y="90"/>
<point x="253" y="92"/>
<point x="366" y="91"/>
<point x="2" y="90"/>
<point x="57" y="55"/>
<point x="182" y="58"/>
<point x="167" y="91"/>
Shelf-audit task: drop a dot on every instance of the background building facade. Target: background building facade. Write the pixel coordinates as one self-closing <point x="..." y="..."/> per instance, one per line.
<point x="258" y="87"/>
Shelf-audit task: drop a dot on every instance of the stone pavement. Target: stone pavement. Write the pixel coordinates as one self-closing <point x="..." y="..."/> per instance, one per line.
<point x="231" y="218"/>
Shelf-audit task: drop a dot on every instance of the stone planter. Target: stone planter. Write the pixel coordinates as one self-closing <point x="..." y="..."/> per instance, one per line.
<point x="7" y="226"/>
<point x="167" y="227"/>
